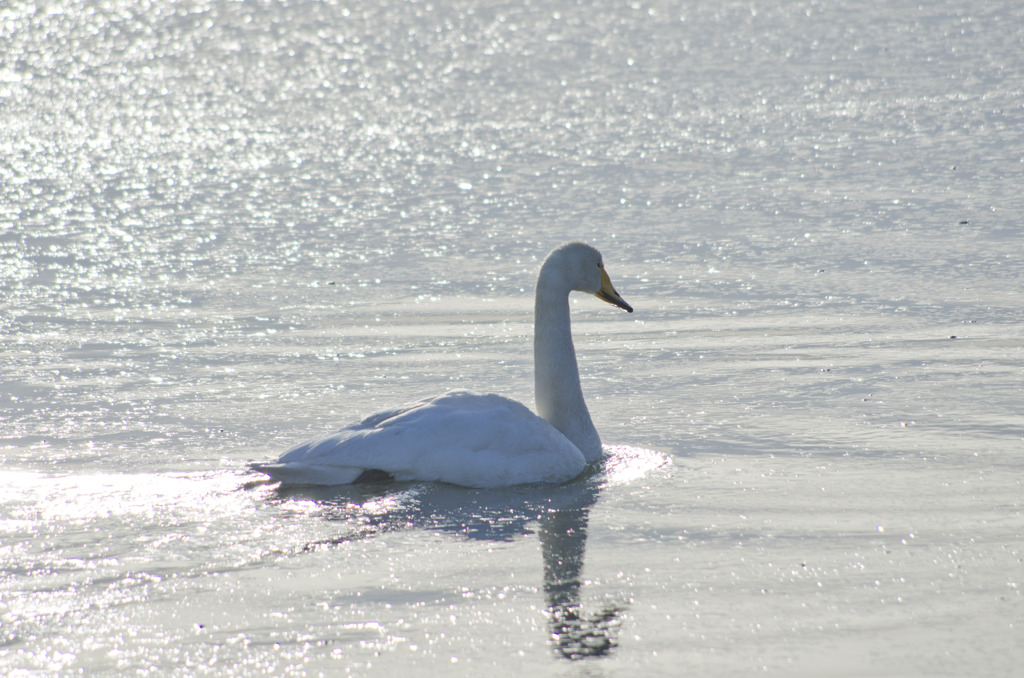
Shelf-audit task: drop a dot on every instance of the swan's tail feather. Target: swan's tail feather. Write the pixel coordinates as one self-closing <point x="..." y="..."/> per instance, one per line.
<point x="309" y="474"/>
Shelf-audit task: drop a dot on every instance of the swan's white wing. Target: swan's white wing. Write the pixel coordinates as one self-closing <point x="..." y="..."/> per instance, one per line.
<point x="459" y="437"/>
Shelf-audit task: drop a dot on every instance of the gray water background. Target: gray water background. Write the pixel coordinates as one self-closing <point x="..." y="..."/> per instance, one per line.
<point x="226" y="227"/>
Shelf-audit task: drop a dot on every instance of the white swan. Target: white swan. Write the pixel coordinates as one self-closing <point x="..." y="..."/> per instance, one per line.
<point x="473" y="439"/>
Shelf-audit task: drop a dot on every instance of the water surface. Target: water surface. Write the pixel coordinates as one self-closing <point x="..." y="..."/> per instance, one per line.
<point x="226" y="227"/>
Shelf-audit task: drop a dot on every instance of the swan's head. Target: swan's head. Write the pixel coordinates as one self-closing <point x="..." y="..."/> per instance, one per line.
<point x="580" y="267"/>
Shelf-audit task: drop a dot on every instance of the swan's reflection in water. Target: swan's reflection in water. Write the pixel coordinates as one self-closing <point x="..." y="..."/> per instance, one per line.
<point x="559" y="514"/>
<point x="563" y="538"/>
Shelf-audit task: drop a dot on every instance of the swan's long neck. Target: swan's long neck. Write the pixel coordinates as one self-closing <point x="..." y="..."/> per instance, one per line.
<point x="558" y="394"/>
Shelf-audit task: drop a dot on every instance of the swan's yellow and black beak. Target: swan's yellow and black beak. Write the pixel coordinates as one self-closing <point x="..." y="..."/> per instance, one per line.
<point x="609" y="294"/>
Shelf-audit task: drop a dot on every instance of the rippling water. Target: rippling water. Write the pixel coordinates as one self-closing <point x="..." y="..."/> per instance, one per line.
<point x="226" y="227"/>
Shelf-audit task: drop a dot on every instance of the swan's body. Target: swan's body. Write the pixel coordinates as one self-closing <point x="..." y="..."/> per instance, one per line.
<point x="474" y="439"/>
